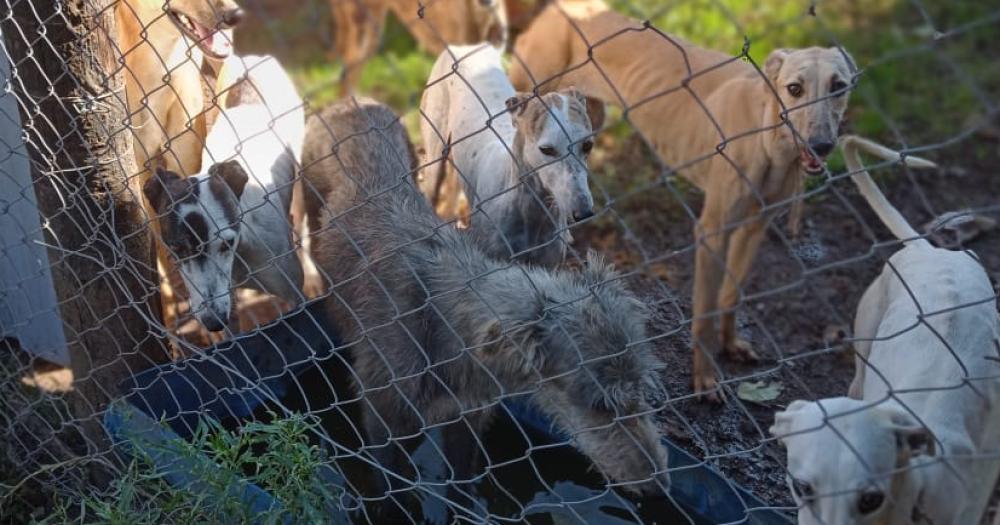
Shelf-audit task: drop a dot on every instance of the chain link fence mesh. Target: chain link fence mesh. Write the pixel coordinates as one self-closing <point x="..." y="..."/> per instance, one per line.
<point x="166" y="165"/>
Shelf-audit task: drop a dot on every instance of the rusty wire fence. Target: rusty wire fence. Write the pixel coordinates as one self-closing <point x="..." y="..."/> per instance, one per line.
<point x="583" y="271"/>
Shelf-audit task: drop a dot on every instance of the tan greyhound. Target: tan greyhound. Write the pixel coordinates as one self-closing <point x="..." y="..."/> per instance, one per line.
<point x="433" y="23"/>
<point x="744" y="137"/>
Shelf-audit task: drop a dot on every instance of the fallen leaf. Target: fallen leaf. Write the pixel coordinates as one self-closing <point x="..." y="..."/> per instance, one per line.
<point x="759" y="391"/>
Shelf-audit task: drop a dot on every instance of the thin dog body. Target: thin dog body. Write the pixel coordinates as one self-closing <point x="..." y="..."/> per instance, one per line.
<point x="439" y="331"/>
<point x="241" y="237"/>
<point x="716" y="120"/>
<point x="164" y="45"/>
<point x="434" y="24"/>
<point x="521" y="159"/>
<point x="918" y="439"/>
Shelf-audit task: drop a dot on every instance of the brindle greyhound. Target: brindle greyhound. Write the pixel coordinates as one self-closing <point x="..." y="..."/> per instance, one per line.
<point x="521" y="159"/>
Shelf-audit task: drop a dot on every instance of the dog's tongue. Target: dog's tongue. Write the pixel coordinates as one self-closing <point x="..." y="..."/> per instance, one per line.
<point x="810" y="162"/>
<point x="218" y="42"/>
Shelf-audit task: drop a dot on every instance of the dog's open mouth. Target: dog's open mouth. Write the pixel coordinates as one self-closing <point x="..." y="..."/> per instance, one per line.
<point x="217" y="43"/>
<point x="812" y="164"/>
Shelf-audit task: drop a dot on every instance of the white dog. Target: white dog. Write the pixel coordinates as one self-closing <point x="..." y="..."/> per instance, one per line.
<point x="917" y="442"/>
<point x="229" y="225"/>
<point x="521" y="158"/>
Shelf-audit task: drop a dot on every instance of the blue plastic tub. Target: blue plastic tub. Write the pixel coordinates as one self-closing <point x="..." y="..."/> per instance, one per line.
<point x="233" y="379"/>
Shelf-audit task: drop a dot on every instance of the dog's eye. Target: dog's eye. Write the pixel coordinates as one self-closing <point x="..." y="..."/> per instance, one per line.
<point x="837" y="87"/>
<point x="795" y="90"/>
<point x="225" y="247"/>
<point x="870" y="501"/>
<point x="802" y="489"/>
<point x="586" y="147"/>
<point x="548" y="150"/>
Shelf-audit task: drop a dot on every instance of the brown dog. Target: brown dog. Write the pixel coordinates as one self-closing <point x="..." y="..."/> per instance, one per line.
<point x="165" y="45"/>
<point x="433" y="23"/>
<point x="744" y="138"/>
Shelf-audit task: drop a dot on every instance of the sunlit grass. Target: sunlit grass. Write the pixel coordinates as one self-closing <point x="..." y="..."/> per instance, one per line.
<point x="912" y="88"/>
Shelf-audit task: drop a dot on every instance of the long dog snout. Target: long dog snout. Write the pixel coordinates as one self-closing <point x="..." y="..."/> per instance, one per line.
<point x="232" y="17"/>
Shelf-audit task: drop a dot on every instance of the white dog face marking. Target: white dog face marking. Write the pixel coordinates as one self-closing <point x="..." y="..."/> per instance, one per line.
<point x="814" y="86"/>
<point x="200" y="225"/>
<point x="847" y="465"/>
<point x="555" y="136"/>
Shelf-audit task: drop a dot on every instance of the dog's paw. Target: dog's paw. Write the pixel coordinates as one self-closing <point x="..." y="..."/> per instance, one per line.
<point x="313" y="286"/>
<point x="740" y="351"/>
<point x="708" y="389"/>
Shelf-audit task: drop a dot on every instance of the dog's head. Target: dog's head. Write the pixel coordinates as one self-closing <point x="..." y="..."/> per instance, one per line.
<point x="852" y="463"/>
<point x="205" y="23"/>
<point x="554" y="136"/>
<point x="813" y="85"/>
<point x="200" y="226"/>
<point x="587" y="341"/>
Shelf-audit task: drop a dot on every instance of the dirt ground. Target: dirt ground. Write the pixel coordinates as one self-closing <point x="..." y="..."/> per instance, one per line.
<point x="798" y="290"/>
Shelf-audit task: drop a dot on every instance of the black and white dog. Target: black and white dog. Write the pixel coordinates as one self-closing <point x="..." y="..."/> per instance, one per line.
<point x="228" y="226"/>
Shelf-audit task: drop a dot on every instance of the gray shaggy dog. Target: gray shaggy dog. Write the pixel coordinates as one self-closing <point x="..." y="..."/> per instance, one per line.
<point x="440" y="333"/>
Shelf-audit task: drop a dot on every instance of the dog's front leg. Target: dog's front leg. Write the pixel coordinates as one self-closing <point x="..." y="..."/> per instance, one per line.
<point x="465" y="455"/>
<point x="739" y="259"/>
<point x="357" y="35"/>
<point x="713" y="244"/>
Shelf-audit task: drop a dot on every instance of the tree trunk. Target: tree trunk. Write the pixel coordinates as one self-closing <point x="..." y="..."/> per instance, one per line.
<point x="67" y="79"/>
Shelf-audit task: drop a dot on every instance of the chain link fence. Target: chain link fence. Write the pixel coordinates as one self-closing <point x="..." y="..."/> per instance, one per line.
<point x="595" y="263"/>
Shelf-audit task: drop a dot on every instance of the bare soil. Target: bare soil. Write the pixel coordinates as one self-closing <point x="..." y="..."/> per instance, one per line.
<point x="798" y="291"/>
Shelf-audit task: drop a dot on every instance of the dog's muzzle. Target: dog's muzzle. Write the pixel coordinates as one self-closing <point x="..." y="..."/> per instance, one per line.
<point x="586" y="213"/>
<point x="813" y="157"/>
<point x="214" y="320"/>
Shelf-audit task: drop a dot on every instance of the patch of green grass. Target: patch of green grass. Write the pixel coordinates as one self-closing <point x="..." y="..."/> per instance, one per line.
<point x="276" y="456"/>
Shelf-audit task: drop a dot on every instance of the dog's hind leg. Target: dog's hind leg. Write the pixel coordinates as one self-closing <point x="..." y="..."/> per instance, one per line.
<point x="871" y="309"/>
<point x="357" y="32"/>
<point x="743" y="248"/>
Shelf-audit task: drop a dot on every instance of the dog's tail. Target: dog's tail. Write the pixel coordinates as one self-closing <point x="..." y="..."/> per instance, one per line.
<point x="852" y="146"/>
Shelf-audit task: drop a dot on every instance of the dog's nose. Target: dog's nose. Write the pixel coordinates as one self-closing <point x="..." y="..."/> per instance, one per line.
<point x="213" y="323"/>
<point x="580" y="215"/>
<point x="821" y="147"/>
<point x="215" y="318"/>
<point x="233" y="17"/>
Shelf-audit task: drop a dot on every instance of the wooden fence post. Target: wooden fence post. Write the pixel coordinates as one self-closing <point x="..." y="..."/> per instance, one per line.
<point x="69" y="85"/>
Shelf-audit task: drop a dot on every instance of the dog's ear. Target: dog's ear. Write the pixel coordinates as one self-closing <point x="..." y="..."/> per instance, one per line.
<point x="232" y="173"/>
<point x="772" y="66"/>
<point x="912" y="437"/>
<point x="783" y="421"/>
<point x="518" y="344"/>
<point x="594" y="107"/>
<point x="595" y="110"/>
<point x="852" y="66"/>
<point x="598" y="270"/>
<point x="518" y="103"/>
<point x="157" y="189"/>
